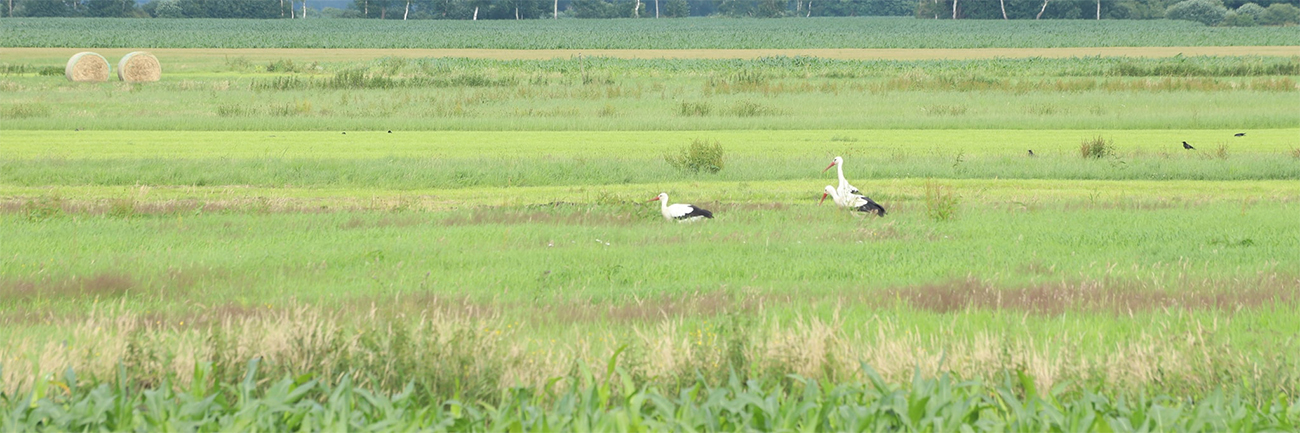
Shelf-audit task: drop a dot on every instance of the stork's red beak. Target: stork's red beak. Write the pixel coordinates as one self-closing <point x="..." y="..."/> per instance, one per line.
<point x="654" y="199"/>
<point x="828" y="167"/>
<point x="823" y="200"/>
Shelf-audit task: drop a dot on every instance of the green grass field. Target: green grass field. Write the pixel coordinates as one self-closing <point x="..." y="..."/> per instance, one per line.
<point x="247" y="244"/>
<point x="404" y="94"/>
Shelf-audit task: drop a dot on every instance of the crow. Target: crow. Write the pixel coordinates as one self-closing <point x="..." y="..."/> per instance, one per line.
<point x="1031" y="152"/>
<point x="1188" y="146"/>
<point x="1239" y="134"/>
<point x="345" y="133"/>
<point x="390" y="131"/>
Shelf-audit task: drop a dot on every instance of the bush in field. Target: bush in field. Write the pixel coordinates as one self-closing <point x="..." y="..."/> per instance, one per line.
<point x="695" y="109"/>
<point x="1279" y="14"/>
<point x="1234" y="19"/>
<point x="1096" y="148"/>
<point x="940" y="202"/>
<point x="1254" y="11"/>
<point x="699" y="156"/>
<point x="1202" y="11"/>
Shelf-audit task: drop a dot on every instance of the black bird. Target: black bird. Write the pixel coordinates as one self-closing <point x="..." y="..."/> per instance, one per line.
<point x="1188" y="146"/>
<point x="390" y="131"/>
<point x="1239" y="134"/>
<point x="345" y="133"/>
<point x="1031" y="152"/>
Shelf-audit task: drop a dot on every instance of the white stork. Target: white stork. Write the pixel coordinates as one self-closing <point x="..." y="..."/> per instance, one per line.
<point x="860" y="203"/>
<point x="680" y="212"/>
<point x="844" y="190"/>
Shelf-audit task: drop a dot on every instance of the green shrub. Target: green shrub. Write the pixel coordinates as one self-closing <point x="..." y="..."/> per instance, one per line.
<point x="24" y="110"/>
<point x="1279" y="14"/>
<point x="695" y="109"/>
<point x="1096" y="148"/>
<point x="699" y="156"/>
<point x="43" y="208"/>
<point x="752" y="109"/>
<point x="1233" y="19"/>
<point x="122" y="208"/>
<point x="1202" y="11"/>
<point x="1254" y="11"/>
<point x="940" y="202"/>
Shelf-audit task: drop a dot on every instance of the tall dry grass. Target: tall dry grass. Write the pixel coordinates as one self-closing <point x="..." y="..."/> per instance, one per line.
<point x="476" y="358"/>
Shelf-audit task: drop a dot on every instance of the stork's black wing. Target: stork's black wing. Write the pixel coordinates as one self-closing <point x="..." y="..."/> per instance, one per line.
<point x="871" y="206"/>
<point x="696" y="212"/>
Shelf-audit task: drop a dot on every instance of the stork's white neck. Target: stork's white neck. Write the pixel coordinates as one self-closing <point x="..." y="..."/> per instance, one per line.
<point x="839" y="169"/>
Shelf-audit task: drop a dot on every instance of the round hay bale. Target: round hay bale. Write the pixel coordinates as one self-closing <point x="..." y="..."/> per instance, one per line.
<point x="87" y="67"/>
<point x="139" y="67"/>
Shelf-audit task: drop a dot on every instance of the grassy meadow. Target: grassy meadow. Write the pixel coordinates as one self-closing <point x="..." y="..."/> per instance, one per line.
<point x="319" y="241"/>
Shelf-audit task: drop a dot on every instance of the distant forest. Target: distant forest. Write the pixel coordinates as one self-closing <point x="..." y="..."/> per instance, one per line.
<point x="546" y="9"/>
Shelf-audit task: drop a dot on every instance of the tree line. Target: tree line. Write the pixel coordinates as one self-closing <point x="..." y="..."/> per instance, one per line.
<point x="1208" y="11"/>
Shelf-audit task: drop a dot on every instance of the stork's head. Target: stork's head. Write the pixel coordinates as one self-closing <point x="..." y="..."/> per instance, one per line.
<point x="834" y="162"/>
<point x="662" y="196"/>
<point x="830" y="191"/>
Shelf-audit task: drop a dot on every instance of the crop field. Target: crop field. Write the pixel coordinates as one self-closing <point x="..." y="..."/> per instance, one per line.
<point x="317" y="240"/>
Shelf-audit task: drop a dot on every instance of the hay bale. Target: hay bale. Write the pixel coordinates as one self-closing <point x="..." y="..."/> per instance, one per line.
<point x="139" y="67"/>
<point x="87" y="67"/>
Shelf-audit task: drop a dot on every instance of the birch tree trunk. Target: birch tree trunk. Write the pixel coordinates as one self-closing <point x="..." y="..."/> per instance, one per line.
<point x="656" y="8"/>
<point x="809" y="9"/>
<point x="1040" y="11"/>
<point x="516" y="13"/>
<point x="555" y="10"/>
<point x="11" y="8"/>
<point x="1003" y="3"/>
<point x="408" y="10"/>
<point x="954" y="9"/>
<point x="636" y="9"/>
<point x="304" y="9"/>
<point x="292" y="14"/>
<point x="1098" y="10"/>
<point x="475" y="13"/>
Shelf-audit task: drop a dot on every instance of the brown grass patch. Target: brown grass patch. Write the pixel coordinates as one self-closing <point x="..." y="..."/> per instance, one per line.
<point x="139" y="67"/>
<point x="499" y="216"/>
<point x="390" y="221"/>
<point x="632" y="311"/>
<point x="101" y="285"/>
<point x="87" y="67"/>
<point x="1101" y="296"/>
<point x="54" y="205"/>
